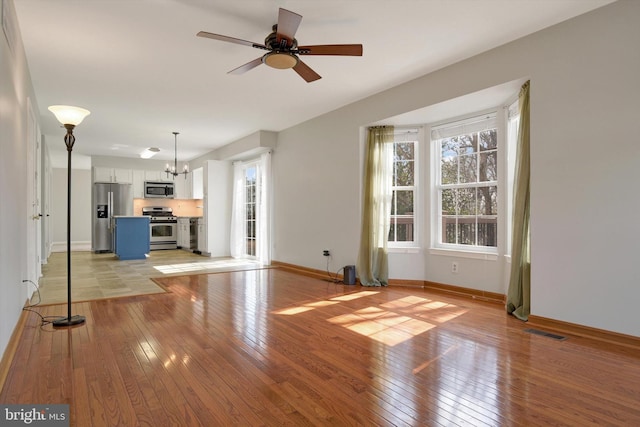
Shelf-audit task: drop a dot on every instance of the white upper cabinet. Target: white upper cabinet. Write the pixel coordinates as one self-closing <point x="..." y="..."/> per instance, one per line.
<point x="197" y="183"/>
<point x="155" y="176"/>
<point x="138" y="184"/>
<point x="102" y="174"/>
<point x="183" y="186"/>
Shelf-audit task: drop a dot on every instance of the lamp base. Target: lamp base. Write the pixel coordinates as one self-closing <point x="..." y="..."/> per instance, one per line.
<point x="69" y="321"/>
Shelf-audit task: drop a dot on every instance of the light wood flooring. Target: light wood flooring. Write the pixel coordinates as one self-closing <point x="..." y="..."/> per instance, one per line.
<point x="270" y="348"/>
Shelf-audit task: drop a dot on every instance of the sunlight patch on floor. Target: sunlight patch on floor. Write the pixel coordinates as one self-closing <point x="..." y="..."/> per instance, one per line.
<point x="208" y="265"/>
<point x="390" y="323"/>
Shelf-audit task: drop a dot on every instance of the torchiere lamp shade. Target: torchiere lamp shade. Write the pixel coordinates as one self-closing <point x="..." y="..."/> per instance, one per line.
<point x="68" y="115"/>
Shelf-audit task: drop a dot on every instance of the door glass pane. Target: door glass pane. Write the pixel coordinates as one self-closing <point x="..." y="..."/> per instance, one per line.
<point x="250" y="210"/>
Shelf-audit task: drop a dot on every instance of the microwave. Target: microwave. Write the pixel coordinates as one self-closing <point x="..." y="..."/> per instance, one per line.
<point x="163" y="190"/>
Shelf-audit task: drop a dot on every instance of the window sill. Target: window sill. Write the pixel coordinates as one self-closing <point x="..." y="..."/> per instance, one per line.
<point x="489" y="256"/>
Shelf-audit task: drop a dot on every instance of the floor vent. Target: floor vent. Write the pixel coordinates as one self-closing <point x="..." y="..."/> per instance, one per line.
<point x="545" y="334"/>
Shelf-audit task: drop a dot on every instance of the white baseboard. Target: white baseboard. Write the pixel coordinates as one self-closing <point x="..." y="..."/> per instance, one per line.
<point x="75" y="246"/>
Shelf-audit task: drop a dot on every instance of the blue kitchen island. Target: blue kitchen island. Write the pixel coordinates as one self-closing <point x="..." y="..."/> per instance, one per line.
<point x="131" y="237"/>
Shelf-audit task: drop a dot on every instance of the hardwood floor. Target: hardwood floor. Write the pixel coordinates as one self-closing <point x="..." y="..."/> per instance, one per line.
<point x="268" y="347"/>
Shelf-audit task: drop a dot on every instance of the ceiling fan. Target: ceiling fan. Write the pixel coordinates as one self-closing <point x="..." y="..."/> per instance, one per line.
<point x="283" y="49"/>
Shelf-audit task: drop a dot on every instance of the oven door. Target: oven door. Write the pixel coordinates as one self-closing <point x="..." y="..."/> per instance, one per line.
<point x="164" y="235"/>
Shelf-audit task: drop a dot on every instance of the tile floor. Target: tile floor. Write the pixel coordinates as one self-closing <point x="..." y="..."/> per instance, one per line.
<point x="99" y="276"/>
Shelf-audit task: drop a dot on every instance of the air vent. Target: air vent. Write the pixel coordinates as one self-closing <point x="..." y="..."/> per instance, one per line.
<point x="545" y="334"/>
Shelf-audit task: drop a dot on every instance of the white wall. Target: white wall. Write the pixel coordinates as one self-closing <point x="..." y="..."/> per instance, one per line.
<point x="80" y="207"/>
<point x="15" y="88"/>
<point x="584" y="94"/>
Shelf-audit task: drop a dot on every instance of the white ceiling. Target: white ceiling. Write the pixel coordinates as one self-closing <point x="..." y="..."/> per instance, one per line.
<point x="141" y="71"/>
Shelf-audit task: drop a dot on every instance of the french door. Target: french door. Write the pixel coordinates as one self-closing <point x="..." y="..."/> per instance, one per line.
<point x="250" y="225"/>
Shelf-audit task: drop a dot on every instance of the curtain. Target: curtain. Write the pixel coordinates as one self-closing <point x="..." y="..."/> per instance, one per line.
<point x="519" y="292"/>
<point x="372" y="264"/>
<point x="237" y="238"/>
<point x="263" y="217"/>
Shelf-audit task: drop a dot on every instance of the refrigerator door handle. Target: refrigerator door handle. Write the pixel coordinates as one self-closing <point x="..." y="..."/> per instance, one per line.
<point x="110" y="209"/>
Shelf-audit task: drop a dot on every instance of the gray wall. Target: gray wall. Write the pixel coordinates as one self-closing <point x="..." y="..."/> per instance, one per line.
<point x="80" y="207"/>
<point x="15" y="89"/>
<point x="584" y="175"/>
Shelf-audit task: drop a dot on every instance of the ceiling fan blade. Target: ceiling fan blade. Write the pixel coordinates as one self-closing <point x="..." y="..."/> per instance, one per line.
<point x="246" y="67"/>
<point x="288" y="23"/>
<point x="331" y="49"/>
<point x="306" y="72"/>
<point x="230" y="39"/>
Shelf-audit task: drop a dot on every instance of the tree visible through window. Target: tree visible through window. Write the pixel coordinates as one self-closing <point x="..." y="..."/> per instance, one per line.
<point x="468" y="182"/>
<point x="403" y="188"/>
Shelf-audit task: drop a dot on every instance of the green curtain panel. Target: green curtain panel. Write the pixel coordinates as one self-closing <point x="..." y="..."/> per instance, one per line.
<point x="519" y="293"/>
<point x="373" y="264"/>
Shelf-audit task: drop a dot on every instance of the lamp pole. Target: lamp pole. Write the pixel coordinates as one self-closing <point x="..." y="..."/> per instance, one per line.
<point x="69" y="117"/>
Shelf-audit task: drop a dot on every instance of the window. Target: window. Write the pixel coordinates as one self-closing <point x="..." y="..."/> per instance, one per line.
<point x="467" y="183"/>
<point x="402" y="231"/>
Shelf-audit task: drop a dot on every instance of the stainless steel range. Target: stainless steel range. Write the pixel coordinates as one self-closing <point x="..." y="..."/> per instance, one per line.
<point x="164" y="227"/>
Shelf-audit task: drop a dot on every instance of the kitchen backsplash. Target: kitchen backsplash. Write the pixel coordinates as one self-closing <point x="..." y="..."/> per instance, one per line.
<point x="181" y="207"/>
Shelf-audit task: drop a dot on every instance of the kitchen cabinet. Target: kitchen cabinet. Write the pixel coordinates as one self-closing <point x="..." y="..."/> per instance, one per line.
<point x="183" y="186"/>
<point x="184" y="240"/>
<point x="138" y="184"/>
<point x="197" y="183"/>
<point x="156" y="176"/>
<point x="103" y="174"/>
<point x="131" y="237"/>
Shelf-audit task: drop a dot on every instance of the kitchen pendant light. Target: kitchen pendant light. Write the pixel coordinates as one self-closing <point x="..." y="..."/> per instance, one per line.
<point x="173" y="170"/>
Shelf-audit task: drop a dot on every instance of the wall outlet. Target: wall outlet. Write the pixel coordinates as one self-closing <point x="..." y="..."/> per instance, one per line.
<point x="326" y="252"/>
<point x="454" y="267"/>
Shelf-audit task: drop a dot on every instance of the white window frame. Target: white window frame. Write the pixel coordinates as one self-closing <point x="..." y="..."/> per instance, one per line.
<point x="437" y="246"/>
<point x="416" y="136"/>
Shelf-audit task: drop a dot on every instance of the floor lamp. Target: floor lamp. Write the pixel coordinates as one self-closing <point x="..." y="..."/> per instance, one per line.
<point x="70" y="117"/>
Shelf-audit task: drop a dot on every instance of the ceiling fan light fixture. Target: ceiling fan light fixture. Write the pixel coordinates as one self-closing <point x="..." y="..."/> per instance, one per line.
<point x="280" y="60"/>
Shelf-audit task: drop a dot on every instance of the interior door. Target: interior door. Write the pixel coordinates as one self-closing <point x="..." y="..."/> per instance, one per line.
<point x="46" y="205"/>
<point x="33" y="197"/>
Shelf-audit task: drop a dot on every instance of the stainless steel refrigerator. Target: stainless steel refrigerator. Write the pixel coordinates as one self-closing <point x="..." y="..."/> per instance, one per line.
<point x="108" y="200"/>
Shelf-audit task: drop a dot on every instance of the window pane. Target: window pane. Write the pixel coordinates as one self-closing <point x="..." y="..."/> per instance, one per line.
<point x="488" y="200"/>
<point x="449" y="229"/>
<point x="466" y="201"/>
<point x="487" y="232"/>
<point x="449" y="170"/>
<point x="448" y="205"/>
<point x="405" y="230"/>
<point x="392" y="231"/>
<point x="404" y="202"/>
<point x="488" y="166"/>
<point x="467" y="144"/>
<point x="403" y="173"/>
<point x="403" y="151"/>
<point x="466" y="231"/>
<point x="468" y="168"/>
<point x="488" y="140"/>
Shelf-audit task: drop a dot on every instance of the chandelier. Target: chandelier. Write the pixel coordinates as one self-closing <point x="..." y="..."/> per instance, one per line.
<point x="173" y="170"/>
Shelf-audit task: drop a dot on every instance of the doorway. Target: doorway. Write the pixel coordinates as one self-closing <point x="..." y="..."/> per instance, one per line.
<point x="250" y="224"/>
